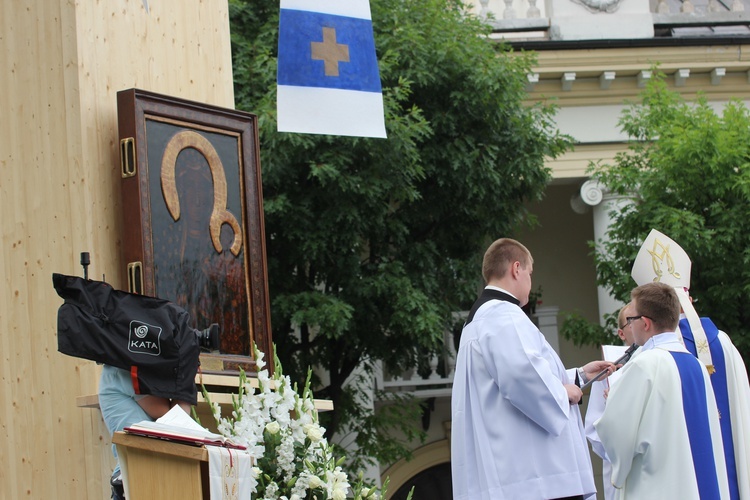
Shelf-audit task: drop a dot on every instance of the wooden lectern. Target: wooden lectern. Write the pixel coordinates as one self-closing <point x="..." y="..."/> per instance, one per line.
<point x="159" y="469"/>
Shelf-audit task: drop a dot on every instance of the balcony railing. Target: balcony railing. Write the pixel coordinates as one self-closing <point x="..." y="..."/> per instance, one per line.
<point x="538" y="16"/>
<point x="432" y="376"/>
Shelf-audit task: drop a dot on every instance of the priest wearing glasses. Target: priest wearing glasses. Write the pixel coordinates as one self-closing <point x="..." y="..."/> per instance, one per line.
<point x="660" y="428"/>
<point x="662" y="259"/>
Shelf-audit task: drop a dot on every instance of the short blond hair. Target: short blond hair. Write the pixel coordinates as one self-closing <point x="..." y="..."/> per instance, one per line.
<point x="621" y="316"/>
<point x="500" y="255"/>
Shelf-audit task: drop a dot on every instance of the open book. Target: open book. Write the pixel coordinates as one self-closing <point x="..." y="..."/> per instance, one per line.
<point x="614" y="353"/>
<point x="176" y="425"/>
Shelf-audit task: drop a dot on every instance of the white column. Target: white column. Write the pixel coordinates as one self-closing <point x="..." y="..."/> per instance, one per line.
<point x="604" y="203"/>
<point x="546" y="317"/>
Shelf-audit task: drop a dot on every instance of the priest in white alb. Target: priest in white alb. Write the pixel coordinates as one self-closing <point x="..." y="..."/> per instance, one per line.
<point x="660" y="428"/>
<point x="662" y="259"/>
<point x="516" y="431"/>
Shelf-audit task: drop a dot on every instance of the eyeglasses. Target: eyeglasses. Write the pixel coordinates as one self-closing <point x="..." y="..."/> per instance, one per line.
<point x="630" y="319"/>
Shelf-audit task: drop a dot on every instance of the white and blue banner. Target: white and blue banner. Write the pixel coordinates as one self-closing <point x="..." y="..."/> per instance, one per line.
<point x="328" y="79"/>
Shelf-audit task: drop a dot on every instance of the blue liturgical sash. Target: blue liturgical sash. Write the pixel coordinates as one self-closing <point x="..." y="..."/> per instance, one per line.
<point x="694" y="405"/>
<point x="719" y="384"/>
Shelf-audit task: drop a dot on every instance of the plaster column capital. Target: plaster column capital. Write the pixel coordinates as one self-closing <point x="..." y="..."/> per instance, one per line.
<point x="592" y="192"/>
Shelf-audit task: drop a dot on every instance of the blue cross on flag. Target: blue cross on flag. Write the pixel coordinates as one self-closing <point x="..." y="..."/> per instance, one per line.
<point x="328" y="79"/>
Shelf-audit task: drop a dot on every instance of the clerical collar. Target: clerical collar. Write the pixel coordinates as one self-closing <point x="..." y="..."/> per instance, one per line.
<point x="503" y="290"/>
<point x="488" y="294"/>
<point x="666" y="340"/>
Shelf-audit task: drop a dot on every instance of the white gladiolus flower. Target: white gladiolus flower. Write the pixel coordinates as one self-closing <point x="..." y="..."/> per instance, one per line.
<point x="273" y="427"/>
<point x="315" y="482"/>
<point x="301" y="458"/>
<point x="314" y="432"/>
<point x="339" y="495"/>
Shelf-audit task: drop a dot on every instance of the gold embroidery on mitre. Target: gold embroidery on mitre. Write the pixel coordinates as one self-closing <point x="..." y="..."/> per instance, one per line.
<point x="660" y="255"/>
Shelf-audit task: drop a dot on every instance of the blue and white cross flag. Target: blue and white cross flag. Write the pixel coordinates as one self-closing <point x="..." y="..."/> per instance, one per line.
<point x="328" y="79"/>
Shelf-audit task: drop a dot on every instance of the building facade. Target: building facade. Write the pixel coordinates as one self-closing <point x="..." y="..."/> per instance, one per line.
<point x="594" y="57"/>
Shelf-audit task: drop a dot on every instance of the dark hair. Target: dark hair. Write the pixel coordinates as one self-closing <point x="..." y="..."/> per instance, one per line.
<point x="500" y="255"/>
<point x="659" y="303"/>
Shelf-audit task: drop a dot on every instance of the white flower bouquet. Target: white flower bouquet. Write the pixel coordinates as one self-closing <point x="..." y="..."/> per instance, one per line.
<point x="292" y="458"/>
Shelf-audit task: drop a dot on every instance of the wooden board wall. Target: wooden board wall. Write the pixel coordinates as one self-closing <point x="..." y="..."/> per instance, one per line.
<point x="62" y="63"/>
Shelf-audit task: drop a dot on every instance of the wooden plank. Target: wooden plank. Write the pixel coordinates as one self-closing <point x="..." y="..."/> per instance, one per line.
<point x="90" y="401"/>
<point x="58" y="198"/>
<point x="211" y="382"/>
<point x="222" y="398"/>
<point x="161" y="446"/>
<point x="24" y="325"/>
<point x="150" y="461"/>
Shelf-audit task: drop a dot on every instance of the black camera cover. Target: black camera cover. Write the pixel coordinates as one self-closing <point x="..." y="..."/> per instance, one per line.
<point x="147" y="336"/>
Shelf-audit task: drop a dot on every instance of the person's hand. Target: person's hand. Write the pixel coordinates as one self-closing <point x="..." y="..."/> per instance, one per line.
<point x="593" y="368"/>
<point x="574" y="393"/>
<point x="606" y="393"/>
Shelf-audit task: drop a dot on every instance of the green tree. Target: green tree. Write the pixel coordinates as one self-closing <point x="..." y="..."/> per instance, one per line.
<point x="688" y="174"/>
<point x="372" y="243"/>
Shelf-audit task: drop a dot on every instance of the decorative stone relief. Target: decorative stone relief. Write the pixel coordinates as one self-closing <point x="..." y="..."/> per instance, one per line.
<point x="596" y="6"/>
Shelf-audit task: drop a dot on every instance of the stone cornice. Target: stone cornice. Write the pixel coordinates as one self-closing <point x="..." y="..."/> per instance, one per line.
<point x="612" y="75"/>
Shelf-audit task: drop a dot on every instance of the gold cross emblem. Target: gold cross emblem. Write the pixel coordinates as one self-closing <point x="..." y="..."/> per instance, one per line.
<point x="330" y="52"/>
<point x="702" y="345"/>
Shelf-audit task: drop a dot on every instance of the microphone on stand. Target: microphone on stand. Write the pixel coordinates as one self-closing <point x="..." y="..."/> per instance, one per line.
<point x="85" y="261"/>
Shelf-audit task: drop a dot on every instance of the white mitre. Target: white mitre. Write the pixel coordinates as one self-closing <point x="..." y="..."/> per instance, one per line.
<point x="661" y="259"/>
